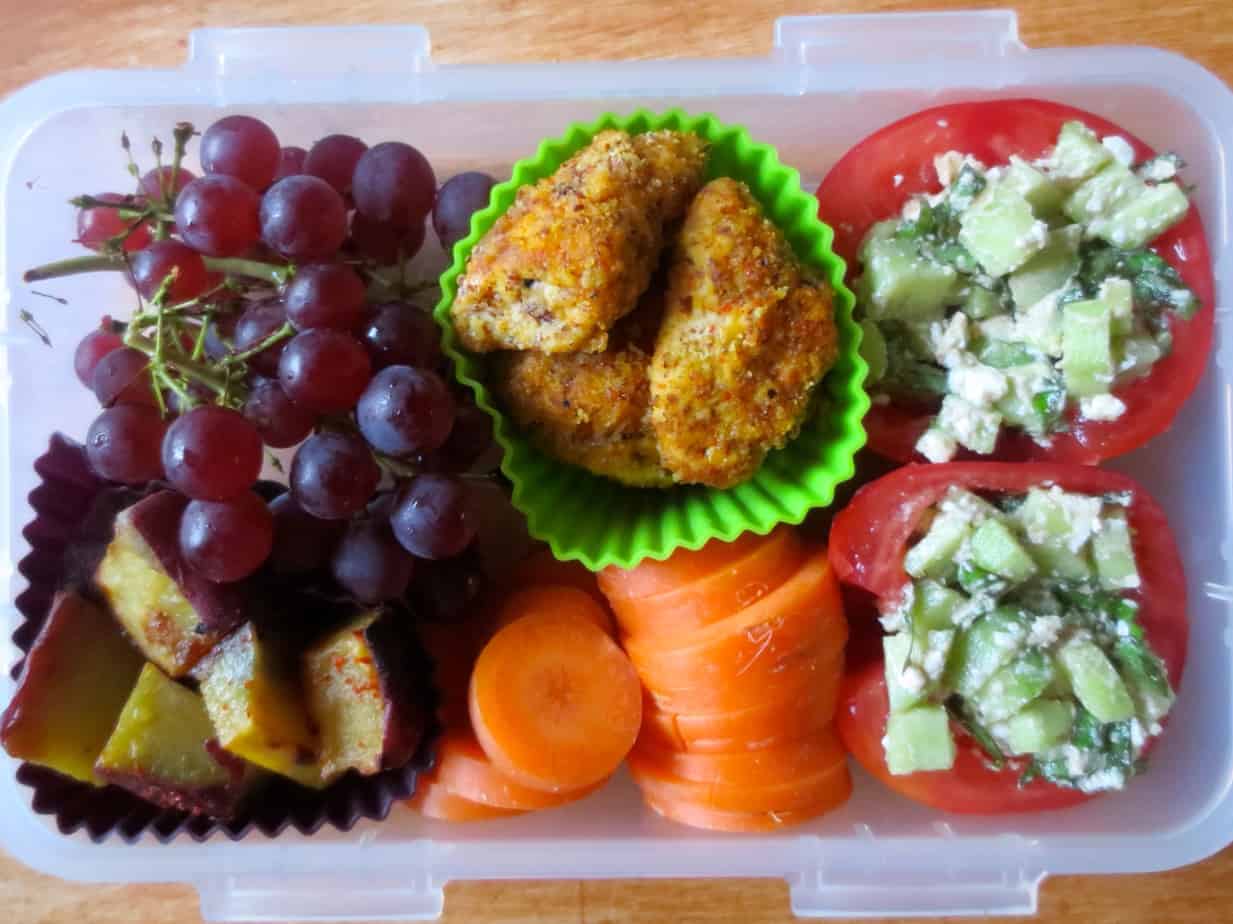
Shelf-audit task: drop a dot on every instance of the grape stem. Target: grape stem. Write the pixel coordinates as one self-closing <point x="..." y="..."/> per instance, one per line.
<point x="104" y="262"/>
<point x="276" y="337"/>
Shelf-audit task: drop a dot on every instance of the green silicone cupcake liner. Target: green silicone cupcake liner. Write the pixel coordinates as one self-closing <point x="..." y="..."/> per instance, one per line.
<point x="600" y="522"/>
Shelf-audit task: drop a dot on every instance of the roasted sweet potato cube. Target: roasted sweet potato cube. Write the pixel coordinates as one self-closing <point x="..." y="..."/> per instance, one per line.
<point x="76" y="678"/>
<point x="164" y="751"/>
<point x="174" y="615"/>
<point x="363" y="695"/>
<point x="253" y="694"/>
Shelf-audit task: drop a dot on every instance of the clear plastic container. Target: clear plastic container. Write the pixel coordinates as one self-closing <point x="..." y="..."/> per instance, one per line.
<point x="827" y="82"/>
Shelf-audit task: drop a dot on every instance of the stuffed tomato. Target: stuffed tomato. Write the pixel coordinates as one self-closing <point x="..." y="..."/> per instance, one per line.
<point x="1032" y="281"/>
<point x="1036" y="632"/>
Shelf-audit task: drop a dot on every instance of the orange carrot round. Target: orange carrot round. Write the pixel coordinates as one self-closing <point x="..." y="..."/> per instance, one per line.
<point x="558" y="598"/>
<point x="731" y="588"/>
<point x="554" y="701"/>
<point x="433" y="800"/>
<point x="465" y="770"/>
<point x="697" y="815"/>
<point x="681" y="568"/>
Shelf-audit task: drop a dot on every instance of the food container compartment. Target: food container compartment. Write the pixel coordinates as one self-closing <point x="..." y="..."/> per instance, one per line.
<point x="827" y="82"/>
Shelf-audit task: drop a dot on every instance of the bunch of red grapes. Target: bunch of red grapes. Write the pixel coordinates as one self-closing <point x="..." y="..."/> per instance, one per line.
<point x="378" y="483"/>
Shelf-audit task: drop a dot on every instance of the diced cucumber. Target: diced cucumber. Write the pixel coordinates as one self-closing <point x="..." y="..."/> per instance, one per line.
<point x="933" y="606"/>
<point x="1001" y="231"/>
<point x="1145" y="676"/>
<point x="934" y="554"/>
<point x="995" y="548"/>
<point x="1019" y="405"/>
<point x="1005" y="354"/>
<point x="1110" y="189"/>
<point x="1146" y="218"/>
<point x="989" y="643"/>
<point x="919" y="739"/>
<point x="1042" y="194"/>
<point x="903" y="695"/>
<point x="1039" y="726"/>
<point x="1114" y="554"/>
<point x="977" y="581"/>
<point x="1136" y="355"/>
<point x="1014" y="686"/>
<point x="1039" y="325"/>
<point x="975" y="428"/>
<point x="901" y="284"/>
<point x="1096" y="682"/>
<point x="873" y="350"/>
<point x="1049" y="527"/>
<point x="1087" y="348"/>
<point x="1048" y="270"/>
<point x="1078" y="154"/>
<point x="1118" y="294"/>
<point x="980" y="303"/>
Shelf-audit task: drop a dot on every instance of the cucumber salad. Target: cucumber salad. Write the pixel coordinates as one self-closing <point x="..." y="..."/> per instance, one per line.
<point x="1023" y="294"/>
<point x="1020" y="627"/>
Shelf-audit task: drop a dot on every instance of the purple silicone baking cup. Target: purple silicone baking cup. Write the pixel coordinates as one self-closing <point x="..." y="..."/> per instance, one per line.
<point x="64" y="545"/>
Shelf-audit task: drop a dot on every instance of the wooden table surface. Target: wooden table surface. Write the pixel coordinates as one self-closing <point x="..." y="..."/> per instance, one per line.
<point x="40" y="38"/>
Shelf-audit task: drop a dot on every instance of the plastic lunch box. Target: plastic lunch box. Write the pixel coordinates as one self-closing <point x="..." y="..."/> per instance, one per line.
<point x="828" y="81"/>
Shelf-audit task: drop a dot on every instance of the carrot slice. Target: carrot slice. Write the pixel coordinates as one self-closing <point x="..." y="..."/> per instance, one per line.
<point x="554" y="701"/>
<point x="465" y="770"/>
<point x="799" y="758"/>
<point x="542" y="567"/>
<point x="828" y="780"/>
<point x="433" y="800"/>
<point x="687" y="608"/>
<point x="681" y="568"/>
<point x="805" y="612"/>
<point x="557" y="598"/>
<point x="696" y="815"/>
<point x="798" y="712"/>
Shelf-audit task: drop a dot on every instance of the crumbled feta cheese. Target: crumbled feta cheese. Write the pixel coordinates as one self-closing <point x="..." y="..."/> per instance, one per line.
<point x="1034" y="237"/>
<point x="1123" y="628"/>
<point x="937" y="446"/>
<point x="948" y="166"/>
<point x="935" y="654"/>
<point x="897" y="180"/>
<point x="1159" y="169"/>
<point x="1076" y="760"/>
<point x="1120" y="148"/>
<point x="964" y="505"/>
<point x="1082" y="514"/>
<point x="981" y="385"/>
<point x="1138" y="735"/>
<point x="911" y="209"/>
<point x="911" y="678"/>
<point x="1155" y="729"/>
<point x="1102" y="407"/>
<point x="949" y="338"/>
<point x="896" y="618"/>
<point x="1044" y="630"/>
<point x="974" y="427"/>
<point x="1102" y="780"/>
<point x="998" y="327"/>
<point x="972" y="609"/>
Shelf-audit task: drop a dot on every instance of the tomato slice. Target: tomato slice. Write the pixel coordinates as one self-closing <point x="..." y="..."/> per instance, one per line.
<point x="868" y="541"/>
<point x="874" y="179"/>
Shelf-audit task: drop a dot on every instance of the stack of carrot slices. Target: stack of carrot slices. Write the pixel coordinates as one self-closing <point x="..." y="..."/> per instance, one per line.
<point x="539" y="704"/>
<point x="740" y="649"/>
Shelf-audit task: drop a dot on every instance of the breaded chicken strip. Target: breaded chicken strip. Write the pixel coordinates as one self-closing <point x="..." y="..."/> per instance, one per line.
<point x="744" y="340"/>
<point x="575" y="250"/>
<point x="590" y="409"/>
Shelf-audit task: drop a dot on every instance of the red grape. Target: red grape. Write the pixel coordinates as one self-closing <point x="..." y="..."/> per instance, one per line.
<point x="445" y="591"/>
<point x="212" y="453"/>
<point x="370" y="564"/>
<point x="123" y="377"/>
<point x="280" y="421"/>
<point x="217" y="215"/>
<point x="333" y="159"/>
<point x="302" y="542"/>
<point x="290" y="163"/>
<point x="93" y="347"/>
<point x="164" y="183"/>
<point x="325" y="295"/>
<point x="385" y="244"/>
<point x="333" y="475"/>
<point x="400" y="334"/>
<point x="156" y="262"/>
<point x="97" y="226"/>
<point x="325" y="370"/>
<point x="256" y="324"/>
<point x="227" y="540"/>
<point x="457" y="200"/>
<point x="404" y="411"/>
<point x="123" y="444"/>
<point x="303" y="218"/>
<point x="219" y="336"/>
<point x="432" y="518"/>
<point x="242" y="147"/>
<point x="394" y="184"/>
<point x="469" y="439"/>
